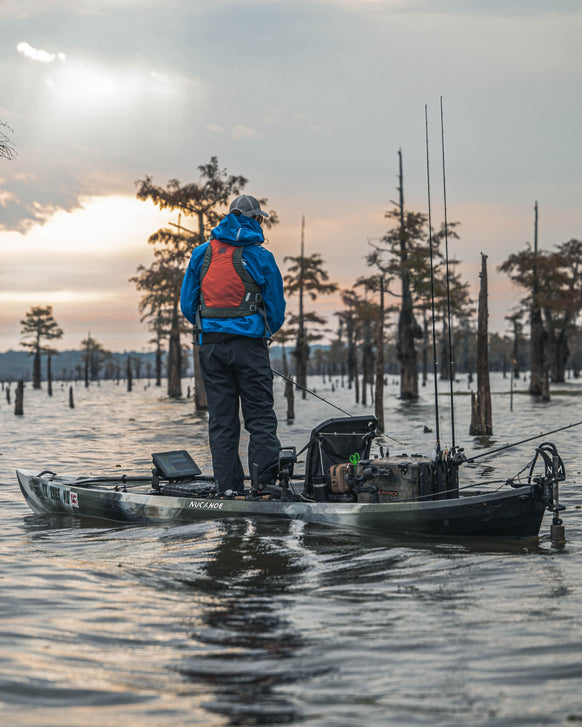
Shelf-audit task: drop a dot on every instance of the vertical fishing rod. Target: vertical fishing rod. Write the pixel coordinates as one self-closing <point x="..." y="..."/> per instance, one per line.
<point x="450" y="341"/>
<point x="434" y="348"/>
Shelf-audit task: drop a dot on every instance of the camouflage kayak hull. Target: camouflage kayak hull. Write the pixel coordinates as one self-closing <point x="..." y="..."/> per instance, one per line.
<point x="511" y="512"/>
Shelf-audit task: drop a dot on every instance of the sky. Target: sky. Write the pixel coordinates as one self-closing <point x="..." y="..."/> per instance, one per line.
<point x="310" y="100"/>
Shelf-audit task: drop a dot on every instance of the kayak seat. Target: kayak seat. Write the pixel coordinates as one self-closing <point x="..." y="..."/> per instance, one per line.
<point x="334" y="442"/>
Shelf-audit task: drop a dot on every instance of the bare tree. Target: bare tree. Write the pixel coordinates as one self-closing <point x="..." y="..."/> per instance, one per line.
<point x="93" y="355"/>
<point x="7" y="150"/>
<point x="205" y="201"/>
<point x="38" y="326"/>
<point x="481" y="416"/>
<point x="306" y="276"/>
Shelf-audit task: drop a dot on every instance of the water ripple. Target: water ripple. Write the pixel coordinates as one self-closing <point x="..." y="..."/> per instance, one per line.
<point x="268" y="622"/>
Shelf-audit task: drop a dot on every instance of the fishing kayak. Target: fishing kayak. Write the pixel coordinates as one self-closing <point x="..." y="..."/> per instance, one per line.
<point x="342" y="486"/>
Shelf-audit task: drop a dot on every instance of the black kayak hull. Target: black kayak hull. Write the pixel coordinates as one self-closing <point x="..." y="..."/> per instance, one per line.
<point x="511" y="512"/>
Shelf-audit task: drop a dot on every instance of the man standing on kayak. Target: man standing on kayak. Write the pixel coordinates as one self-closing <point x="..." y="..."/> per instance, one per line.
<point x="232" y="293"/>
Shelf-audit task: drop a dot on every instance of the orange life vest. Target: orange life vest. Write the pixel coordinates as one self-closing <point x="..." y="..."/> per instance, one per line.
<point x="227" y="290"/>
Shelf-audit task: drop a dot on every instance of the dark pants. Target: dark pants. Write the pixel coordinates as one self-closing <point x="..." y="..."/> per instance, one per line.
<point x="239" y="370"/>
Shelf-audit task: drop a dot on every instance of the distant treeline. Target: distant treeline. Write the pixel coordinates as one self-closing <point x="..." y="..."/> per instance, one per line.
<point x="324" y="359"/>
<point x="68" y="365"/>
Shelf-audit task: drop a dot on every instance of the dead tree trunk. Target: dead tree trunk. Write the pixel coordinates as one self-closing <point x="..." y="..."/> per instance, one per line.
<point x="87" y="357"/>
<point x="49" y="375"/>
<point x="36" y="375"/>
<point x="289" y="388"/>
<point x="19" y="399"/>
<point x="481" y="418"/>
<point x="351" y="354"/>
<point x="175" y="358"/>
<point x="129" y="374"/>
<point x="158" y="364"/>
<point x="539" y="379"/>
<point x="200" y="400"/>
<point x="425" y="344"/>
<point x="407" y="326"/>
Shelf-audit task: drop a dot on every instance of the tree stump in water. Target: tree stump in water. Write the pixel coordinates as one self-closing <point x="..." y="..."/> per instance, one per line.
<point x="19" y="399"/>
<point x="481" y="417"/>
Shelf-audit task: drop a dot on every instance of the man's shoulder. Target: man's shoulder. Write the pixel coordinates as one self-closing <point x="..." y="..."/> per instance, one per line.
<point x="200" y="250"/>
<point x="258" y="251"/>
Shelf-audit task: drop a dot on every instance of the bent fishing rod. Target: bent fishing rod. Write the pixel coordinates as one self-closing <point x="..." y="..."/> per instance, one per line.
<point x="522" y="441"/>
<point x="326" y="401"/>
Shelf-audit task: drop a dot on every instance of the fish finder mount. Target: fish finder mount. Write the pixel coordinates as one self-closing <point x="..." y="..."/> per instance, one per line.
<point x="175" y="466"/>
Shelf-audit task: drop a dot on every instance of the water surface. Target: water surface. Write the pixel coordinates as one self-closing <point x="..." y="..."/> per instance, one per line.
<point x="279" y="623"/>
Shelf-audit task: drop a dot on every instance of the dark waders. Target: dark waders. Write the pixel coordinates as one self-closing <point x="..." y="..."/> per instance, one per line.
<point x="239" y="370"/>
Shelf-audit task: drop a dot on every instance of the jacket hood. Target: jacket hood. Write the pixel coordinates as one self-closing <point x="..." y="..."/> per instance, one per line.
<point x="238" y="230"/>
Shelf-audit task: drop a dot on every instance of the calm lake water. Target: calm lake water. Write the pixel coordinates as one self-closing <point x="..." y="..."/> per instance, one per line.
<point x="276" y="623"/>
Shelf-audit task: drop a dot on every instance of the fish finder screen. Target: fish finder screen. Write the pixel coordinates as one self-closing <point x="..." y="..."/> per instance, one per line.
<point x="177" y="465"/>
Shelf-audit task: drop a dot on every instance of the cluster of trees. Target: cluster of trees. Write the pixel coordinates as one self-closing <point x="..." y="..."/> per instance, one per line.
<point x="387" y="319"/>
<point x="409" y="280"/>
<point x="39" y="329"/>
<point x="400" y="258"/>
<point x="552" y="285"/>
<point x="160" y="283"/>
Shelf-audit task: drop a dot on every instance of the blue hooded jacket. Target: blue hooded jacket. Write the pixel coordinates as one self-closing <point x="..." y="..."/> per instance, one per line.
<point x="259" y="262"/>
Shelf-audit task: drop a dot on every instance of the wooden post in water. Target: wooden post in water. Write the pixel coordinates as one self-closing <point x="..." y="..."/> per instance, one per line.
<point x="289" y="388"/>
<point x="481" y="404"/>
<point x="87" y="351"/>
<point x="19" y="399"/>
<point x="49" y="374"/>
<point x="200" y="398"/>
<point x="408" y="328"/>
<point x="539" y="378"/>
<point x="71" y="402"/>
<point x="129" y="379"/>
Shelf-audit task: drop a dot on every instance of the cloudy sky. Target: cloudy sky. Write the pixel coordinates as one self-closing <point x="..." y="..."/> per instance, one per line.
<point x="310" y="100"/>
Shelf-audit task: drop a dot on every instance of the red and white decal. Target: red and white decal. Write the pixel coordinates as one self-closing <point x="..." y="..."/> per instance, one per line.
<point x="74" y="501"/>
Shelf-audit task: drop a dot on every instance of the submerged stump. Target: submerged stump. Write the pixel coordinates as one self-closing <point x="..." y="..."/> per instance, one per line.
<point x="481" y="416"/>
<point x="19" y="399"/>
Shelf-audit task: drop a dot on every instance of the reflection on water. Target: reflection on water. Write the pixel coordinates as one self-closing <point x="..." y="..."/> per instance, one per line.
<point x="253" y="647"/>
<point x="269" y="622"/>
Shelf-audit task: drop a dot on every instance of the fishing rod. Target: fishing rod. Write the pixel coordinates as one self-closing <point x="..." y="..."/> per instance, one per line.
<point x="450" y="339"/>
<point x="522" y="441"/>
<point x="434" y="350"/>
<point x="317" y="396"/>
<point x="309" y="391"/>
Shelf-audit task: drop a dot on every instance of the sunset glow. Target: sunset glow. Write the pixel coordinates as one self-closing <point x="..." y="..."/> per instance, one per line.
<point x="310" y="101"/>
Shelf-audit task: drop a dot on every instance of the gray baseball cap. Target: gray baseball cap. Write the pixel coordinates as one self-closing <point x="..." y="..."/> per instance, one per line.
<point x="247" y="205"/>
